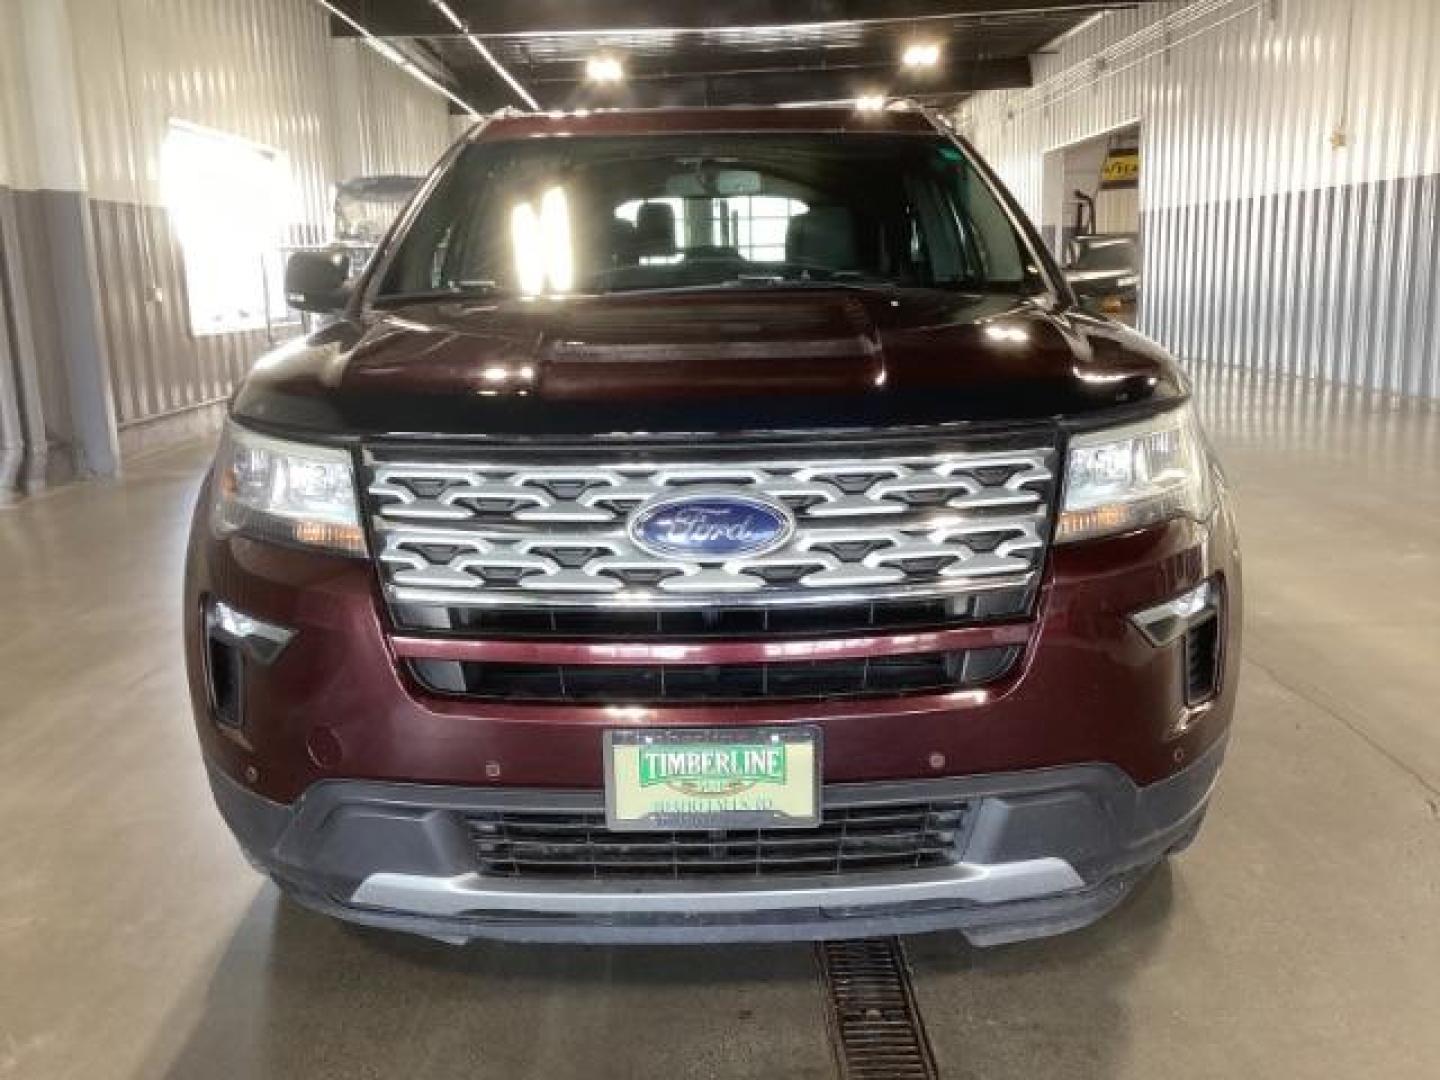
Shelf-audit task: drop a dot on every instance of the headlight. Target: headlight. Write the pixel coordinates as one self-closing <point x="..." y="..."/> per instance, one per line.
<point x="294" y="493"/>
<point x="1127" y="477"/>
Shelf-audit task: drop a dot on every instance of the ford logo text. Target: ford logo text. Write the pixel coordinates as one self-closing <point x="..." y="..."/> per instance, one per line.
<point x="712" y="527"/>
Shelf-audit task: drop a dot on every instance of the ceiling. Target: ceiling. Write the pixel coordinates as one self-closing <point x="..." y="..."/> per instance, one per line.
<point x="684" y="52"/>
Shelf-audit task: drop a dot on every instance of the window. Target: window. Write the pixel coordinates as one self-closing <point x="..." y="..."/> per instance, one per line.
<point x="229" y="199"/>
<point x="753" y="225"/>
<point x="758" y="224"/>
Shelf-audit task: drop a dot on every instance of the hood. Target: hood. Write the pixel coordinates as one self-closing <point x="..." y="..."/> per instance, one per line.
<point x="771" y="360"/>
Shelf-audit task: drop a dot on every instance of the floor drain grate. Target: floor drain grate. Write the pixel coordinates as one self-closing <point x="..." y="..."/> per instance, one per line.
<point x="874" y="1023"/>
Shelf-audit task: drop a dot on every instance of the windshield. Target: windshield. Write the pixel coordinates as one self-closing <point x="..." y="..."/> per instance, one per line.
<point x="693" y="211"/>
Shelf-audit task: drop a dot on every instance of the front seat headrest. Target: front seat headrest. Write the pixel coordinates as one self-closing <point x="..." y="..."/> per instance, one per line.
<point x="823" y="236"/>
<point x="655" y="229"/>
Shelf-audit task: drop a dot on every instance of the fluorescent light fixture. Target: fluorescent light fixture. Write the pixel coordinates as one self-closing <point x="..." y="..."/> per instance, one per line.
<point x="389" y="52"/>
<point x="485" y="54"/>
<point x="604" y="69"/>
<point x="870" y="103"/>
<point x="478" y="46"/>
<point x="503" y="72"/>
<point x="921" y="54"/>
<point x="449" y="13"/>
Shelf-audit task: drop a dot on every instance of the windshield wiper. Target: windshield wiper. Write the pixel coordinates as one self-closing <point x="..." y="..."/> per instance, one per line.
<point x="765" y="282"/>
<point x="984" y="287"/>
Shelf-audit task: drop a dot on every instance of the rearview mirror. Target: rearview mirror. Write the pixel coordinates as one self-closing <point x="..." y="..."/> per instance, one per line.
<point x="715" y="183"/>
<point x="315" y="280"/>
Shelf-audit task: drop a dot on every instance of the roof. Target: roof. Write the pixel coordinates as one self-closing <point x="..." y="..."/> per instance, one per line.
<point x="682" y="121"/>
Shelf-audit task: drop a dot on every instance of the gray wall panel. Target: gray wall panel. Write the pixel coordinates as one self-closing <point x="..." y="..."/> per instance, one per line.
<point x="34" y="266"/>
<point x="80" y="330"/>
<point x="1338" y="283"/>
<point x="158" y="365"/>
<point x="15" y="288"/>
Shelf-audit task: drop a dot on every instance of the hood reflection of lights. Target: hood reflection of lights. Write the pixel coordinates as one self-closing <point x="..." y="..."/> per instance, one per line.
<point x="497" y="373"/>
<point x="1010" y="335"/>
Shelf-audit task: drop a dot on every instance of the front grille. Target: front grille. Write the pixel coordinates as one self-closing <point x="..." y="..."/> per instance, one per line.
<point x="463" y="530"/>
<point x="901" y="836"/>
<point x="872" y="676"/>
<point x="716" y="620"/>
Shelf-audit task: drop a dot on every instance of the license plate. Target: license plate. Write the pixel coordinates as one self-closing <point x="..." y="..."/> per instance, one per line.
<point x="747" y="778"/>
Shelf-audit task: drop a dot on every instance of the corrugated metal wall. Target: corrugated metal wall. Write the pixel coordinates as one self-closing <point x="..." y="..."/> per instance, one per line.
<point x="261" y="69"/>
<point x="1290" y="175"/>
<point x="16" y="151"/>
<point x="384" y="123"/>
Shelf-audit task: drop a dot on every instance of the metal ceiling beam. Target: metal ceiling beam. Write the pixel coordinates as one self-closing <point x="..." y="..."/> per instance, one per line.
<point x="876" y="69"/>
<point x="483" y="51"/>
<point x="417" y="18"/>
<point x="412" y="58"/>
<point x="769" y="87"/>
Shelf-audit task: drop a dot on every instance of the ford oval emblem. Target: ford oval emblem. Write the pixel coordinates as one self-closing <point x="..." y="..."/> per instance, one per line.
<point x="711" y="527"/>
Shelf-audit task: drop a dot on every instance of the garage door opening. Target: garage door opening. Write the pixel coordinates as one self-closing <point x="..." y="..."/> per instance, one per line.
<point x="1091" y="218"/>
<point x="231" y="200"/>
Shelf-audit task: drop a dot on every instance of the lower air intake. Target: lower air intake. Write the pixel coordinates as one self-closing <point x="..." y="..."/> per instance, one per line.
<point x="901" y="836"/>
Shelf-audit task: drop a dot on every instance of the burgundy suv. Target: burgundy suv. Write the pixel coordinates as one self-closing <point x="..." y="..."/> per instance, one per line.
<point x="713" y="524"/>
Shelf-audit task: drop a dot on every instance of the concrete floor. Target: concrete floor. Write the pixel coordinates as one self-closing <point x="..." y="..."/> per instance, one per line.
<point x="1299" y="938"/>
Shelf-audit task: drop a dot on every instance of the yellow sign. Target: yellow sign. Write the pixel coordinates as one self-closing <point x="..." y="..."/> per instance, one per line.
<point x="1121" y="169"/>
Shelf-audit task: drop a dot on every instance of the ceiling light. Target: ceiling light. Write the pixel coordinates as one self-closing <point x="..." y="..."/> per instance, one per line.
<point x="604" y="69"/>
<point x="922" y="54"/>
<point x="870" y="103"/>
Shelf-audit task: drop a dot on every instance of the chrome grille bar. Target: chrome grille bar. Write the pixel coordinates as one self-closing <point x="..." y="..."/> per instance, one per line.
<point x="478" y="533"/>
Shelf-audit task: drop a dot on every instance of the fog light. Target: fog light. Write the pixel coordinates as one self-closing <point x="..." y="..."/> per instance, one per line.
<point x="263" y="641"/>
<point x="1164" y="623"/>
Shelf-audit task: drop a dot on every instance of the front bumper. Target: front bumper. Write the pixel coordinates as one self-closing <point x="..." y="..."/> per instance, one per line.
<point x="339" y="704"/>
<point x="349" y="783"/>
<point x="1048" y="850"/>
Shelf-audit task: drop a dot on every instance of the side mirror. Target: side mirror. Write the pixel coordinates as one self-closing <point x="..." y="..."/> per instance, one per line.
<point x="1086" y="298"/>
<point x="315" y="280"/>
<point x="1103" y="304"/>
